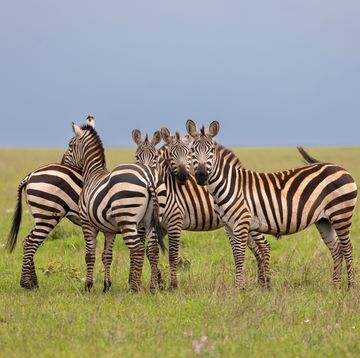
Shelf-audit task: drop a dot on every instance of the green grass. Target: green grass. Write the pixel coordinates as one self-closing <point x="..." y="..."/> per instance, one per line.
<point x="302" y="315"/>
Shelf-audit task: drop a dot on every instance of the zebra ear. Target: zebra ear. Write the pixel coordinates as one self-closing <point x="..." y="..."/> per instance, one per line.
<point x="90" y="121"/>
<point x="77" y="130"/>
<point x="191" y="128"/>
<point x="214" y="128"/>
<point x="166" y="135"/>
<point x="136" y="135"/>
<point x="156" y="138"/>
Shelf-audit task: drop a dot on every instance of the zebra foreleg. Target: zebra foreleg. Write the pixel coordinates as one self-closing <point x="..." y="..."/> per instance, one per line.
<point x="259" y="260"/>
<point x="107" y="257"/>
<point x="174" y="242"/>
<point x="238" y="239"/>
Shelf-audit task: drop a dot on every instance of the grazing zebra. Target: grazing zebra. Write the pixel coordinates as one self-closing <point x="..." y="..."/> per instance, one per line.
<point x="115" y="202"/>
<point x="276" y="203"/>
<point x="189" y="206"/>
<point x="52" y="193"/>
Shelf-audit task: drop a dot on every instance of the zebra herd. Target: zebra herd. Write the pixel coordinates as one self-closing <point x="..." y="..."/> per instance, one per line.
<point x="190" y="183"/>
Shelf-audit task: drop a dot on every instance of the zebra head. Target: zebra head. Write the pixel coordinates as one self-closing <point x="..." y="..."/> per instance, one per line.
<point x="146" y="153"/>
<point x="84" y="144"/>
<point x="202" y="150"/>
<point x="177" y="154"/>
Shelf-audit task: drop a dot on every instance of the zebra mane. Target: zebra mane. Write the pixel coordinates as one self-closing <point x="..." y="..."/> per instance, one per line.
<point x="98" y="141"/>
<point x="228" y="153"/>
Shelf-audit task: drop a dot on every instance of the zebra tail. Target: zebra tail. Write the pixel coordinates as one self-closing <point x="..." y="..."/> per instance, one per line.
<point x="155" y="220"/>
<point x="307" y="156"/>
<point x="12" y="238"/>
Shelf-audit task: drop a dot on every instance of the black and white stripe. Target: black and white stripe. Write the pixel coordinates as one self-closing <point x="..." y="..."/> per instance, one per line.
<point x="115" y="202"/>
<point x="278" y="203"/>
<point x="52" y="193"/>
<point x="190" y="207"/>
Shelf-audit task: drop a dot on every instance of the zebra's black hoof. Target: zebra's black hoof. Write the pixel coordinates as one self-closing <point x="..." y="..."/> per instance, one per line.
<point x="88" y="285"/>
<point x="107" y="285"/>
<point x="29" y="285"/>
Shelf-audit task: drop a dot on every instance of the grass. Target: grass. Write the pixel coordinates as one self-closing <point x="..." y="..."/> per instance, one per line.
<point x="301" y="316"/>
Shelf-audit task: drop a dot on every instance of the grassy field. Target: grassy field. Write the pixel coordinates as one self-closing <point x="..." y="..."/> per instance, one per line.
<point x="301" y="316"/>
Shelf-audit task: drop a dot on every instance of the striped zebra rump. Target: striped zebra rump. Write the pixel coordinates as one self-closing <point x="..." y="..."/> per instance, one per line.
<point x="52" y="193"/>
<point x="287" y="202"/>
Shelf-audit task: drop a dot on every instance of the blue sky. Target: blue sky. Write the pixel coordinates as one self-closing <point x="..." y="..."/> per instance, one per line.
<point x="271" y="72"/>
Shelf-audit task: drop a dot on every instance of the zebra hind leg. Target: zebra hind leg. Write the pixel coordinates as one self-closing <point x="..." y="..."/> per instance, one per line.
<point x="90" y="234"/>
<point x="152" y="253"/>
<point x="342" y="228"/>
<point x="137" y="253"/>
<point x="107" y="257"/>
<point x="328" y="234"/>
<point x="31" y="244"/>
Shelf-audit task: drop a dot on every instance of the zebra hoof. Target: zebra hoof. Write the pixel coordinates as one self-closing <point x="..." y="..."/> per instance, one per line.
<point x="29" y="285"/>
<point x="107" y="285"/>
<point x="88" y="285"/>
<point x="173" y="287"/>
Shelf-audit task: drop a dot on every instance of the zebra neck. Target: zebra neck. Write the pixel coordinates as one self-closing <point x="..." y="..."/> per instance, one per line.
<point x="94" y="165"/>
<point x="227" y="172"/>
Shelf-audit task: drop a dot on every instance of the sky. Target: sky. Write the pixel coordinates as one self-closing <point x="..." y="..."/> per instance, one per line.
<point x="273" y="73"/>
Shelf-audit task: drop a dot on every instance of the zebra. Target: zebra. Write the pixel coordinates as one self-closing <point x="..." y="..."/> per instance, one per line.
<point x="278" y="203"/>
<point x="189" y="206"/>
<point x="115" y="202"/>
<point x="52" y="193"/>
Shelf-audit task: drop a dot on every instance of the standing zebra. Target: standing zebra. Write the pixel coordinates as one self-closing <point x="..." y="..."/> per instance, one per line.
<point x="52" y="193"/>
<point x="189" y="206"/>
<point x="278" y="203"/>
<point x="114" y="202"/>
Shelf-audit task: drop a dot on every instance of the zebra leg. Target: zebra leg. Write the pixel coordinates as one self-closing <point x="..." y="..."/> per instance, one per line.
<point x="238" y="239"/>
<point x="255" y="249"/>
<point x="259" y="259"/>
<point x="264" y="247"/>
<point x="137" y="253"/>
<point x="342" y="228"/>
<point x="152" y="253"/>
<point x="90" y="234"/>
<point x="328" y="234"/>
<point x="107" y="257"/>
<point x="30" y="245"/>
<point x="174" y="232"/>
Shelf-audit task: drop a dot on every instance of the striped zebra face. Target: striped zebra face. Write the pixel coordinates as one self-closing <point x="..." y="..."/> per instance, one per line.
<point x="146" y="152"/>
<point x="203" y="150"/>
<point x="177" y="155"/>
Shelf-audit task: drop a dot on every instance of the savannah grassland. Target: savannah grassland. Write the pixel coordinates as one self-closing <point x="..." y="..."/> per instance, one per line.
<point x="302" y="315"/>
